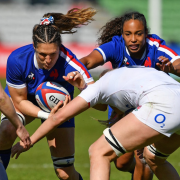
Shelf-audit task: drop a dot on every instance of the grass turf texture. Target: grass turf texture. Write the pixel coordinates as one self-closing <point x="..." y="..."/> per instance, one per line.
<point x="36" y="164"/>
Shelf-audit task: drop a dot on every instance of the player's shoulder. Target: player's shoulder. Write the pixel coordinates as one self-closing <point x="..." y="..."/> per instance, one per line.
<point x="117" y="39"/>
<point x="154" y="39"/>
<point x="66" y="51"/>
<point x="22" y="50"/>
<point x="116" y="44"/>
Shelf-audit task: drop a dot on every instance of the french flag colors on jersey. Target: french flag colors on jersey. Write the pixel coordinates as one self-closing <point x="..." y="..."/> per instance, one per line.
<point x="22" y="69"/>
<point x="116" y="52"/>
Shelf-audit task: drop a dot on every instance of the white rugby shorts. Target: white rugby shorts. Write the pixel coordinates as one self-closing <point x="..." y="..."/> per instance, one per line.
<point x="160" y="109"/>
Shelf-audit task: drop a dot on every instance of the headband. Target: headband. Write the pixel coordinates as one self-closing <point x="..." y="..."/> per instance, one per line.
<point x="47" y="21"/>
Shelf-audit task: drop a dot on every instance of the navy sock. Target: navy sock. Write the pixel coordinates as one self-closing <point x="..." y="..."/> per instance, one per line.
<point x="5" y="157"/>
<point x="3" y="172"/>
<point x="132" y="172"/>
<point x="80" y="177"/>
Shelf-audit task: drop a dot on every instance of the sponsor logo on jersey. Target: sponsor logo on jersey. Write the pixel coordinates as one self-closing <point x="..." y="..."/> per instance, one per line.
<point x="54" y="74"/>
<point x="31" y="76"/>
<point x="125" y="61"/>
<point x="160" y="119"/>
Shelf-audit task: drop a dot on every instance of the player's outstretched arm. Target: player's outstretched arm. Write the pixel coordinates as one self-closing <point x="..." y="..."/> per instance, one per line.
<point x="7" y="108"/>
<point x="62" y="114"/>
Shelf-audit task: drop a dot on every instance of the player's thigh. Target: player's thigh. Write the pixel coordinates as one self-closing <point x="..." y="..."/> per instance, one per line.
<point x="61" y="142"/>
<point x="130" y="133"/>
<point x="168" y="144"/>
<point x="133" y="134"/>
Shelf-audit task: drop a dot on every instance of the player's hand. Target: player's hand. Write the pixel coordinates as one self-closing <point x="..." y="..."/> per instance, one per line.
<point x="140" y="153"/>
<point x="17" y="149"/>
<point x="24" y="136"/>
<point x="60" y="105"/>
<point x="165" y="65"/>
<point x="75" y="79"/>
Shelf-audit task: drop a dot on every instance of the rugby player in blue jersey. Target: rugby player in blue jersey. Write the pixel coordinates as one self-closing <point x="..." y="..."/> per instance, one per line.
<point x="125" y="41"/>
<point x="45" y="60"/>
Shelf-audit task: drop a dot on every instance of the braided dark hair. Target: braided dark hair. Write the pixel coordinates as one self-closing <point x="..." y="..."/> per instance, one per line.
<point x="63" y="24"/>
<point x="115" y="26"/>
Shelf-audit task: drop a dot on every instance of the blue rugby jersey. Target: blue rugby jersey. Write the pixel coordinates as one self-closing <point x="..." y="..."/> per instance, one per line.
<point x="116" y="52"/>
<point x="22" y="70"/>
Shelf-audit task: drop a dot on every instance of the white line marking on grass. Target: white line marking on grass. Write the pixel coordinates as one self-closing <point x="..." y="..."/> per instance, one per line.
<point x="44" y="166"/>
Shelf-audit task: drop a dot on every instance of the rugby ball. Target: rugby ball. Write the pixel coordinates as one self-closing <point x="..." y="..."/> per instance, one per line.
<point x="48" y="94"/>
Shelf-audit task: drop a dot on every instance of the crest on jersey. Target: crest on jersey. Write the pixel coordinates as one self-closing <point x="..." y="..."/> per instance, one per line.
<point x="54" y="74"/>
<point x="31" y="76"/>
<point x="148" y="62"/>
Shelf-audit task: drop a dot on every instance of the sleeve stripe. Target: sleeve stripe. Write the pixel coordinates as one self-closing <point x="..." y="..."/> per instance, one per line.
<point x="15" y="85"/>
<point x="169" y="49"/>
<point x="73" y="62"/>
<point x="175" y="58"/>
<point x="102" y="52"/>
<point x="161" y="47"/>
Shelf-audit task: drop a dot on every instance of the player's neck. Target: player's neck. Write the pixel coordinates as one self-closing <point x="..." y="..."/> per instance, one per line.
<point x="139" y="54"/>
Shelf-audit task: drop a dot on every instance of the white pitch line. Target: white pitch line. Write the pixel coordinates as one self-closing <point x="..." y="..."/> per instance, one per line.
<point x="44" y="166"/>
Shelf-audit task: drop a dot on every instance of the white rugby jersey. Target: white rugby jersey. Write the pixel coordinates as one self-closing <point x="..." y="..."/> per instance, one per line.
<point x="124" y="87"/>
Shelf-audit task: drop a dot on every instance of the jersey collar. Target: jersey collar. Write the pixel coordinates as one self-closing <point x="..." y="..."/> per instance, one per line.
<point x="142" y="55"/>
<point x="35" y="62"/>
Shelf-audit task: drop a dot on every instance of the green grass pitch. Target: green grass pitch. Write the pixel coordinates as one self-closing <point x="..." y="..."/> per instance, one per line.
<point x="36" y="164"/>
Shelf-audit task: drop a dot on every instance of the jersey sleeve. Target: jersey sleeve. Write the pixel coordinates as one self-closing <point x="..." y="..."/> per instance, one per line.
<point x="91" y="95"/>
<point x="162" y="49"/>
<point x="75" y="65"/>
<point x="111" y="51"/>
<point x="14" y="71"/>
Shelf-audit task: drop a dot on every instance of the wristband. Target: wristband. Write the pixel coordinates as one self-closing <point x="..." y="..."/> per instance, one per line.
<point x="42" y="115"/>
<point x="81" y="89"/>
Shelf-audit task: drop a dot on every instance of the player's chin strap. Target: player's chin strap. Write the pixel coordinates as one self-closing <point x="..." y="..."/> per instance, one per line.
<point x="113" y="142"/>
<point x="61" y="162"/>
<point x="157" y="153"/>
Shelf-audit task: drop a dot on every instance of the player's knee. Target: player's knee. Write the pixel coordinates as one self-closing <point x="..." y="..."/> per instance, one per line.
<point x="7" y="131"/>
<point x="94" y="151"/>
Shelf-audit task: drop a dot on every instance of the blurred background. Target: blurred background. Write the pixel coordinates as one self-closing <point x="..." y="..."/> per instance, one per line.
<point x="16" y="23"/>
<point x="19" y="16"/>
